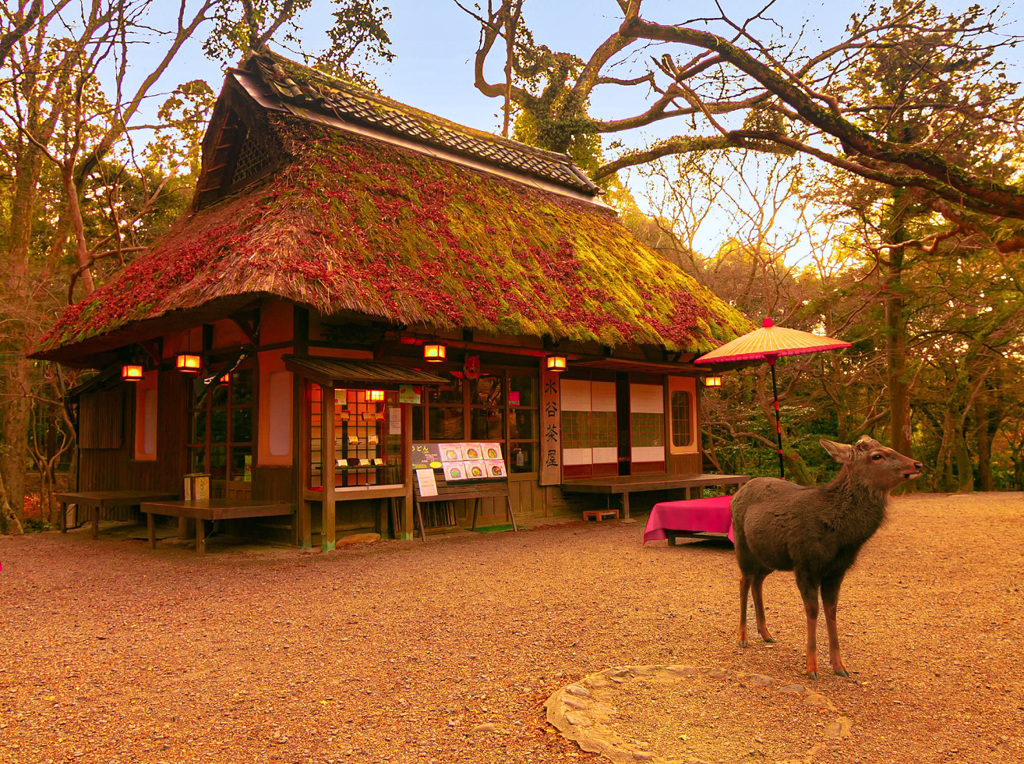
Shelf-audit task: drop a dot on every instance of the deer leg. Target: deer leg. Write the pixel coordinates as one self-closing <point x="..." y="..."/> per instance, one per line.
<point x="744" y="588"/>
<point x="830" y="602"/>
<point x="809" y="594"/>
<point x="757" y="589"/>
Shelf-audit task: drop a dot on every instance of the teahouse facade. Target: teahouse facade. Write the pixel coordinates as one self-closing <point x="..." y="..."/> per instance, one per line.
<point x="359" y="284"/>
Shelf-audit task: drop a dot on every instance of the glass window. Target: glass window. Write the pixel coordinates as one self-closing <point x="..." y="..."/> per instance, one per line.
<point x="366" y="452"/>
<point x="522" y="390"/>
<point x="221" y="431"/>
<point x="524" y="422"/>
<point x="498" y="406"/>
<point x="682" y="428"/>
<point x="446" y="423"/>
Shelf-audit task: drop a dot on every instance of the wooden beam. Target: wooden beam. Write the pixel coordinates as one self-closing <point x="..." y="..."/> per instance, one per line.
<point x="153" y="348"/>
<point x="249" y="324"/>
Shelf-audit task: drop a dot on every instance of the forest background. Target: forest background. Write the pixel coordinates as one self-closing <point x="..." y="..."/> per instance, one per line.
<point x="869" y="186"/>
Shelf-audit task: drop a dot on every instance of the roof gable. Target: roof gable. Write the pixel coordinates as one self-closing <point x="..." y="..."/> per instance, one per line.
<point x="298" y="88"/>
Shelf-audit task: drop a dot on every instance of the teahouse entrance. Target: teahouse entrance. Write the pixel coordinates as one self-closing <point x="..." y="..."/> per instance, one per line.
<point x="222" y="431"/>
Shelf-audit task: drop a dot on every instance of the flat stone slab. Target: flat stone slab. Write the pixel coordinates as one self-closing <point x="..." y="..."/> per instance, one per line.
<point x="677" y="714"/>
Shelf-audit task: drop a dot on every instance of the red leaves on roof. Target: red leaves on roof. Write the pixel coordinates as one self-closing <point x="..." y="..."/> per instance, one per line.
<point x="356" y="224"/>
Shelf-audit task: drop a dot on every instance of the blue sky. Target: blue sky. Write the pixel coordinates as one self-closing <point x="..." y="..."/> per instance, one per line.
<point x="434" y="43"/>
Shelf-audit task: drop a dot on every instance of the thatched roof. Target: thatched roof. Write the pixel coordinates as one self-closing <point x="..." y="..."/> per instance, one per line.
<point x="351" y="223"/>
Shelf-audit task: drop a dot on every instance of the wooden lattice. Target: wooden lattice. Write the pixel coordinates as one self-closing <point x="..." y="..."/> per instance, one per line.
<point x="253" y="158"/>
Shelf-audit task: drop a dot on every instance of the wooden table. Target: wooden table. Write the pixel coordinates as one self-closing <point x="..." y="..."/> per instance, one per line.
<point x="97" y="500"/>
<point x="202" y="510"/>
<point x="627" y="484"/>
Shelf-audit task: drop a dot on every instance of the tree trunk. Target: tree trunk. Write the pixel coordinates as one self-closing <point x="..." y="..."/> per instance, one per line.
<point x="964" y="464"/>
<point x="944" y="460"/>
<point x="15" y="379"/>
<point x="983" y="418"/>
<point x="896" y="332"/>
<point x="9" y="521"/>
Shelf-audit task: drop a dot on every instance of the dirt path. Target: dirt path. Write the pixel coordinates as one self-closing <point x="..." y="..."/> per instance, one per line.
<point x="446" y="651"/>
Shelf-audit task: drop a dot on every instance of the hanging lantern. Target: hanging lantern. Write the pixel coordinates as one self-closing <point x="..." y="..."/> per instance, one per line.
<point x="188" y="363"/>
<point x="715" y="381"/>
<point x="131" y="372"/>
<point x="555" y="363"/>
<point x="375" y="396"/>
<point x="434" y="353"/>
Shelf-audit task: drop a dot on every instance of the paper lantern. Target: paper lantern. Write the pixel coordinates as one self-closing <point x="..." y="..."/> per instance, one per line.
<point x="555" y="363"/>
<point x="131" y="372"/>
<point x="188" y="363"/>
<point x="434" y="353"/>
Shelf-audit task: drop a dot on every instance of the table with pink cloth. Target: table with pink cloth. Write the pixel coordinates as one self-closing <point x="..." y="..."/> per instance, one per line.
<point x="668" y="518"/>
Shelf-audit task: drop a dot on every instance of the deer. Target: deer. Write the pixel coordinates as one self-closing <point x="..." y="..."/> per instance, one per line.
<point x="816" y="532"/>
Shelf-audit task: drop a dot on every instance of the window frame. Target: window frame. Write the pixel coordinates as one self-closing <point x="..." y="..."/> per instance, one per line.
<point x="684" y="385"/>
<point x="512" y="447"/>
<point x="206" y="404"/>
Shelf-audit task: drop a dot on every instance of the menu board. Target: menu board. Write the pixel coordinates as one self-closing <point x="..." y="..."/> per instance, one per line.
<point x="426" y="456"/>
<point x="427" y="484"/>
<point x="460" y="461"/>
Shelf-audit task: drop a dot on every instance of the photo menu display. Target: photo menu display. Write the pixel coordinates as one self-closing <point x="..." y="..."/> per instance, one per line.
<point x="461" y="461"/>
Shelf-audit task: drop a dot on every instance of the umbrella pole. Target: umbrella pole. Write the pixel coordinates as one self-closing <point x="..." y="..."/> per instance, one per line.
<point x="778" y="425"/>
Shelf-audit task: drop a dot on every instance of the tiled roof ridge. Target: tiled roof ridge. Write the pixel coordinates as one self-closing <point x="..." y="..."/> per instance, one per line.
<point x="348" y="102"/>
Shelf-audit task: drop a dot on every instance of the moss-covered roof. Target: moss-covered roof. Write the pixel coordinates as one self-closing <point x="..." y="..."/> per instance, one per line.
<point x="354" y="224"/>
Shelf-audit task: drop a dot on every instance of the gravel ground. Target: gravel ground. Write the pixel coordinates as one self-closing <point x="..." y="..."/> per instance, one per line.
<point x="446" y="651"/>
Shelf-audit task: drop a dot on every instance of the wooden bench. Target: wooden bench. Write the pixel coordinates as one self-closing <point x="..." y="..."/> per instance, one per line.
<point x="202" y="510"/>
<point x="495" y="488"/>
<point x="627" y="484"/>
<point x="96" y="501"/>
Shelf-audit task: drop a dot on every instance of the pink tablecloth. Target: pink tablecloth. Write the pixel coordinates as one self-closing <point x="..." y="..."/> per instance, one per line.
<point x="709" y="515"/>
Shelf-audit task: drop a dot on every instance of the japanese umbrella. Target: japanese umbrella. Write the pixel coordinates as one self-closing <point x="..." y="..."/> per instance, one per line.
<point x="767" y="344"/>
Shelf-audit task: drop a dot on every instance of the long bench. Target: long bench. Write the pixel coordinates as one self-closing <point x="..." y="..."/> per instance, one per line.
<point x="624" y="485"/>
<point x="203" y="510"/>
<point x="96" y="501"/>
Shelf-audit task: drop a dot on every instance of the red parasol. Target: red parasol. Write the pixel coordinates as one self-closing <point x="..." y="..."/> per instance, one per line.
<point x="767" y="344"/>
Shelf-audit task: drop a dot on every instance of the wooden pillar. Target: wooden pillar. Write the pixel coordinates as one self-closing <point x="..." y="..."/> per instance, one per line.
<point x="304" y="513"/>
<point x="328" y="522"/>
<point x="407" y="476"/>
<point x="303" y="523"/>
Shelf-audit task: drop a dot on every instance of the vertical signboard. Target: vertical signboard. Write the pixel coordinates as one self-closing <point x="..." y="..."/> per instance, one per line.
<point x="550" y="428"/>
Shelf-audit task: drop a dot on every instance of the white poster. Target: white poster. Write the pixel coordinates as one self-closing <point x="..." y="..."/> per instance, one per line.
<point x="426" y="482"/>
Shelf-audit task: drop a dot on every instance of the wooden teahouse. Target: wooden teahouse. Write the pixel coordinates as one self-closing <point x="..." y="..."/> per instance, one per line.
<point x="282" y="333"/>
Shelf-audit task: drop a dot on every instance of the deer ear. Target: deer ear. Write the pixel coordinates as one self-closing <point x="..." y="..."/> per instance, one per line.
<point x="841" y="452"/>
